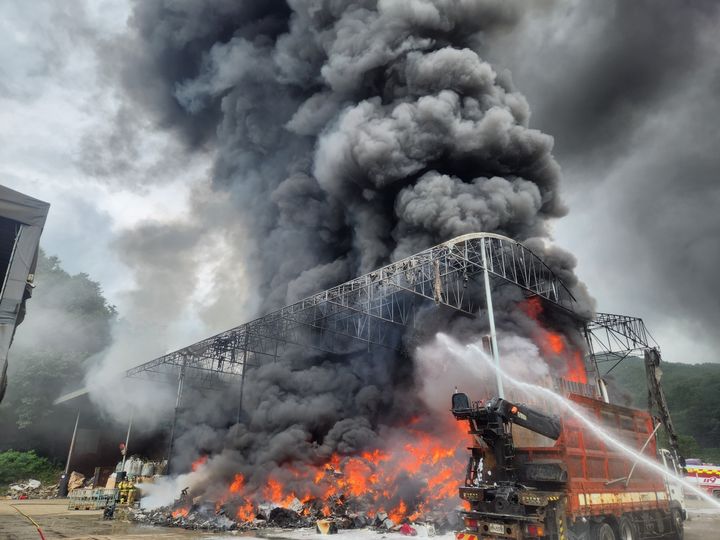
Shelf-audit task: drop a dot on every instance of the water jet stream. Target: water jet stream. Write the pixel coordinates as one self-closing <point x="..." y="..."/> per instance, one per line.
<point x="457" y="351"/>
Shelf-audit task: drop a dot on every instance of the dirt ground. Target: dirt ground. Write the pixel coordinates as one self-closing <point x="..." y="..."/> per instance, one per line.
<point x="58" y="522"/>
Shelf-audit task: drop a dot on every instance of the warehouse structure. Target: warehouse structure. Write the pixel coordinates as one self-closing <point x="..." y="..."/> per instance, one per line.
<point x="376" y="310"/>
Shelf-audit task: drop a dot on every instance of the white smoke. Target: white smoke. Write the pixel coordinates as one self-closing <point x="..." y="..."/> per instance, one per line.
<point x="446" y="364"/>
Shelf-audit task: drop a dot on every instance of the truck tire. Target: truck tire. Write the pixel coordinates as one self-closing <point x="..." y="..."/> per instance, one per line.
<point x="676" y="520"/>
<point x="627" y="529"/>
<point x="602" y="531"/>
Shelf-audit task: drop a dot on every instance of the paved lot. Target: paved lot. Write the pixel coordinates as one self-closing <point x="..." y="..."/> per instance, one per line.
<point x="58" y="522"/>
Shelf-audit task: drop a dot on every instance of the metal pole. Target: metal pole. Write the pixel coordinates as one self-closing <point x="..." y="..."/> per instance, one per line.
<point x="64" y="479"/>
<point x="127" y="440"/>
<point x="181" y="379"/>
<point x="242" y="384"/>
<point x="72" y="444"/>
<point x="632" y="469"/>
<point x="491" y="318"/>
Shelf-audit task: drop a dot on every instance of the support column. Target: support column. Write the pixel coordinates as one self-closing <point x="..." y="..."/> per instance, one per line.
<point x="242" y="378"/>
<point x="491" y="318"/>
<point x="127" y="439"/>
<point x="181" y="380"/>
<point x="63" y="488"/>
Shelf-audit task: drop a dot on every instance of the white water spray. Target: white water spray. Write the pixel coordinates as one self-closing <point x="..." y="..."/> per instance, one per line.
<point x="457" y="351"/>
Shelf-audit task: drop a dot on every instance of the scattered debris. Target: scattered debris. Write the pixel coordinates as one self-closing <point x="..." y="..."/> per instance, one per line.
<point x="32" y="489"/>
<point x="325" y="517"/>
<point x="285" y="518"/>
<point x="109" y="511"/>
<point x="76" y="481"/>
<point x="34" y="484"/>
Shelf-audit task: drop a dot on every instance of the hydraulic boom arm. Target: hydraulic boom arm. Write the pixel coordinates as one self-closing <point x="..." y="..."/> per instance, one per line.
<point x="498" y="409"/>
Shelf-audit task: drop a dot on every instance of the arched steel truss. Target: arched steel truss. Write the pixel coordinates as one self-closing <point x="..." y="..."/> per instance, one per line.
<point x="368" y="309"/>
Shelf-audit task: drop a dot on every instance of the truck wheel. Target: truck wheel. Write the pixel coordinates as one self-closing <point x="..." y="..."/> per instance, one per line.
<point x="677" y="524"/>
<point x="602" y="531"/>
<point x="627" y="529"/>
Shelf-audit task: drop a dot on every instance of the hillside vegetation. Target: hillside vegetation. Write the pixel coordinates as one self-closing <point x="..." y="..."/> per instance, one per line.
<point x="693" y="395"/>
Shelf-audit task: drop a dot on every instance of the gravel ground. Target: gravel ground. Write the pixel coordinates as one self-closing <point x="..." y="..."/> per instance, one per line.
<point x="58" y="522"/>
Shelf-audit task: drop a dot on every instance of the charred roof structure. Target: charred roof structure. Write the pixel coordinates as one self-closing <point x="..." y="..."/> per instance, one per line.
<point x="365" y="311"/>
<point x="22" y="219"/>
<point x="382" y="307"/>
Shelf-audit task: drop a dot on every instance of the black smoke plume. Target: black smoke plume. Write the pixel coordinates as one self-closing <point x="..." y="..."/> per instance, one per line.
<point x="346" y="134"/>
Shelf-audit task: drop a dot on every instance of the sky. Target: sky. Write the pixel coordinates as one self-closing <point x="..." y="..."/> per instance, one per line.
<point x="629" y="91"/>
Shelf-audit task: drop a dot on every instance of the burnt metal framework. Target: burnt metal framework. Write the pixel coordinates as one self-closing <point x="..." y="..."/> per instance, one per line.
<point x="612" y="338"/>
<point x="364" y="311"/>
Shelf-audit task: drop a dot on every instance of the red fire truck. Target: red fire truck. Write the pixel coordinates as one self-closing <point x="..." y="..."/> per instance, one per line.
<point x="704" y="476"/>
<point x="538" y="475"/>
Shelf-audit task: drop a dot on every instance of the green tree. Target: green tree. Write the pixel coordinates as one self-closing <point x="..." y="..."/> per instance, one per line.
<point x="16" y="466"/>
<point x="693" y="396"/>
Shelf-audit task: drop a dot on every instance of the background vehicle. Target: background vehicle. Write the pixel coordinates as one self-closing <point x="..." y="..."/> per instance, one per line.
<point x="704" y="476"/>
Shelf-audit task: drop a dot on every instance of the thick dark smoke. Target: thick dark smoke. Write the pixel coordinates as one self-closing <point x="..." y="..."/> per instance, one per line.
<point x="346" y="134"/>
<point x="629" y="90"/>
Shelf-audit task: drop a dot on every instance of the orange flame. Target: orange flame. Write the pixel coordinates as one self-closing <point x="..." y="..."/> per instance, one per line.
<point x="199" y="462"/>
<point x="398" y="513"/>
<point x="246" y="512"/>
<point x="237" y="484"/>
<point x="433" y="463"/>
<point x="554" y="347"/>
<point x="180" y="512"/>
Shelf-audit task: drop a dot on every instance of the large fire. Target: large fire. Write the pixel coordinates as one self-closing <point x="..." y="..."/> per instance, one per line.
<point x="420" y="475"/>
<point x="417" y="473"/>
<point x="555" y="348"/>
<point x="199" y="462"/>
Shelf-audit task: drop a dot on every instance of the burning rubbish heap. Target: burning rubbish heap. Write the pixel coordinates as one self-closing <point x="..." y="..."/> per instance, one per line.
<point x="326" y="516"/>
<point x="417" y="484"/>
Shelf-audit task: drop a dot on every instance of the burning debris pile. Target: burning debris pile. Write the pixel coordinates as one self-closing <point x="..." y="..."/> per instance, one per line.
<point x="417" y="483"/>
<point x="300" y="515"/>
<point x="326" y="515"/>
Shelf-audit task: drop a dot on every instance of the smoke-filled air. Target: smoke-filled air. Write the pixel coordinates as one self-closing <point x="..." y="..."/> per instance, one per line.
<point x="345" y="135"/>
